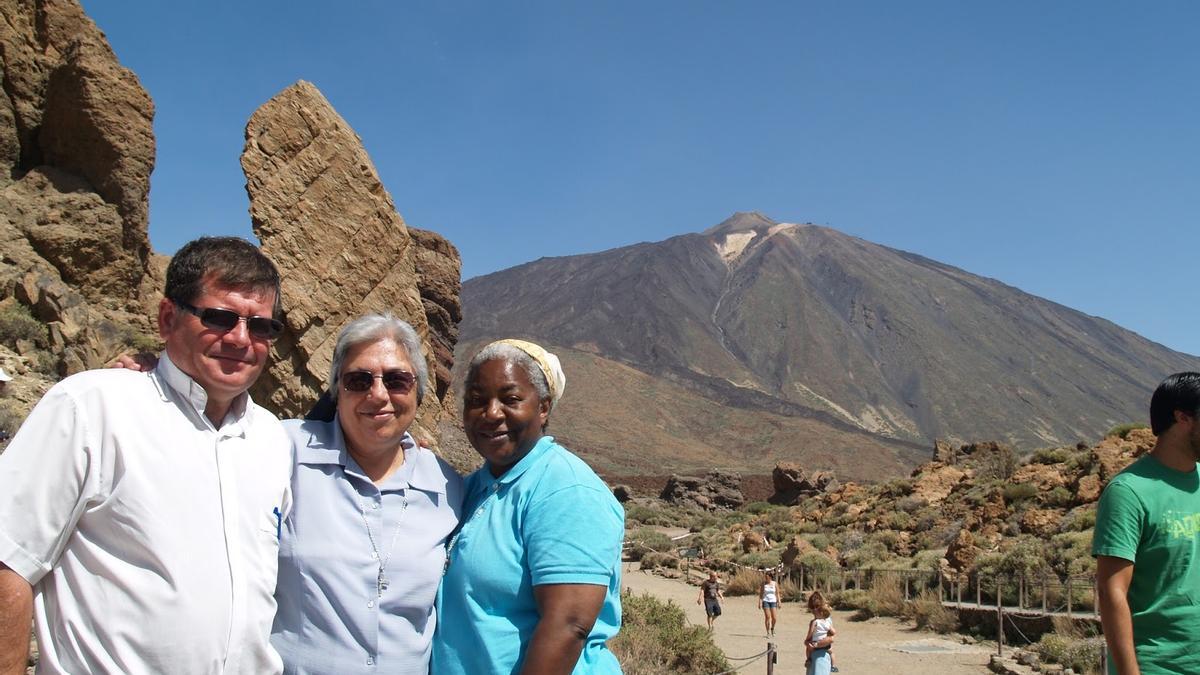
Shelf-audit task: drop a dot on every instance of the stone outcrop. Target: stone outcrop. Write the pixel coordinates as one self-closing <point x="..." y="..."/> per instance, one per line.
<point x="77" y="150"/>
<point x="716" y="490"/>
<point x="792" y="483"/>
<point x="324" y="217"/>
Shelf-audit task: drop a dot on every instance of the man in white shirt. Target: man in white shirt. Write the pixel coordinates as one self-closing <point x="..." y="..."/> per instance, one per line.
<point x="139" y="512"/>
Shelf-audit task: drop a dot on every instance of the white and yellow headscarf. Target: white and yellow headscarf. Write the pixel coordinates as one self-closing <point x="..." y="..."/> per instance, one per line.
<point x="551" y="368"/>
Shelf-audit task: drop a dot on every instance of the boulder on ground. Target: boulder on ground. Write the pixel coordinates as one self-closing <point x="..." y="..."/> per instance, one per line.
<point x="717" y="489"/>
<point x="792" y="484"/>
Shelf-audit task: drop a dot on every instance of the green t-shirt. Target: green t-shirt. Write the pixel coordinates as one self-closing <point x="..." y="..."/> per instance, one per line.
<point x="1150" y="514"/>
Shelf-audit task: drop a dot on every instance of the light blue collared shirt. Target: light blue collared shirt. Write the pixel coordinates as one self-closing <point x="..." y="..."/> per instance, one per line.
<point x="331" y="618"/>
<point x="548" y="520"/>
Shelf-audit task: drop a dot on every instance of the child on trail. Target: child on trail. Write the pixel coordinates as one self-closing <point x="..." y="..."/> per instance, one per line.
<point x="818" y="659"/>
<point x="710" y="595"/>
<point x="768" y="601"/>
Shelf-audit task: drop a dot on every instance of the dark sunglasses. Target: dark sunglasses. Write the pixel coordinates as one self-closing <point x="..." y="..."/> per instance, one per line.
<point x="395" y="381"/>
<point x="261" y="327"/>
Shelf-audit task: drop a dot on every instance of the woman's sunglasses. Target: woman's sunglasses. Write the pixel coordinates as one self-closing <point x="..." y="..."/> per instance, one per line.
<point x="261" y="327"/>
<point x="395" y="381"/>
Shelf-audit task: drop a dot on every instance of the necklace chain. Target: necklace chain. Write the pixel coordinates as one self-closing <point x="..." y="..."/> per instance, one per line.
<point x="381" y="580"/>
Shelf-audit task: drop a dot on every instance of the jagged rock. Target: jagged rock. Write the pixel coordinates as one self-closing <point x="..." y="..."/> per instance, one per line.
<point x="1044" y="476"/>
<point x="1087" y="489"/>
<point x="934" y="483"/>
<point x="944" y="452"/>
<point x="77" y="148"/>
<point x="753" y="541"/>
<point x="1115" y="453"/>
<point x="1041" y="522"/>
<point x="792" y="484"/>
<point x="623" y="493"/>
<point x="324" y="217"/>
<point x="439" y="281"/>
<point x="961" y="552"/>
<point x="716" y="490"/>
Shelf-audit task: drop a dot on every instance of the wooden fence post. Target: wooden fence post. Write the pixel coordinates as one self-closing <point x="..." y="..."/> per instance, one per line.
<point x="1095" y="597"/>
<point x="1044" y="606"/>
<point x="802" y="578"/>
<point x="1068" y="596"/>
<point x="958" y="589"/>
<point x="978" y="590"/>
<point x="770" y="658"/>
<point x="906" y="587"/>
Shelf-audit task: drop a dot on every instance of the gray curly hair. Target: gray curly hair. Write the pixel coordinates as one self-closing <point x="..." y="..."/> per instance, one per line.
<point x="373" y="327"/>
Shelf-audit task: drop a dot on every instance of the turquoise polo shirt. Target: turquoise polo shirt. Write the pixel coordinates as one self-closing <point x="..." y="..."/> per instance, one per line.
<point x="548" y="520"/>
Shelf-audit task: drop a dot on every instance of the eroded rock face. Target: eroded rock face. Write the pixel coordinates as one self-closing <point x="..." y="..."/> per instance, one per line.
<point x="324" y="217"/>
<point x="792" y="483"/>
<point x="77" y="150"/>
<point x="715" y="490"/>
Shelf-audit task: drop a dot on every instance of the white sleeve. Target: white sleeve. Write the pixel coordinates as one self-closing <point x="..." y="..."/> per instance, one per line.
<point x="49" y="473"/>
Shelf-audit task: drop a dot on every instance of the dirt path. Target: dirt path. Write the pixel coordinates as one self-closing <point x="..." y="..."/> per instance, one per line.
<point x="880" y="645"/>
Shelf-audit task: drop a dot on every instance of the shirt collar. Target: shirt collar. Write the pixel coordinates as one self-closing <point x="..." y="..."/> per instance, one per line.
<point x="240" y="411"/>
<point x="420" y="470"/>
<point x="532" y="458"/>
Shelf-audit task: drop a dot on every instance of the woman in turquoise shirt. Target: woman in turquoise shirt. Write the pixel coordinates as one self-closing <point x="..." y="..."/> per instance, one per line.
<point x="533" y="577"/>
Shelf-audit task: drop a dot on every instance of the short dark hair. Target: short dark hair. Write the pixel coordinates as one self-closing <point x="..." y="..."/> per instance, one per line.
<point x="230" y="261"/>
<point x="1181" y="392"/>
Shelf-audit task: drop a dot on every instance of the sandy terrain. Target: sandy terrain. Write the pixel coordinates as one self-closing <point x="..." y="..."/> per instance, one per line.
<point x="880" y="645"/>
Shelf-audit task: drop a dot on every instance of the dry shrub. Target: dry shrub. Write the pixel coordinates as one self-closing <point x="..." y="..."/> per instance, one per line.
<point x="744" y="582"/>
<point x="1080" y="654"/>
<point x="655" y="638"/>
<point x="788" y="590"/>
<point x="885" y="597"/>
<point x="930" y="614"/>
<point x="653" y="560"/>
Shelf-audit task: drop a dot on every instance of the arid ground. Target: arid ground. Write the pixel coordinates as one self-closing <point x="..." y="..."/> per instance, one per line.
<point x="880" y="645"/>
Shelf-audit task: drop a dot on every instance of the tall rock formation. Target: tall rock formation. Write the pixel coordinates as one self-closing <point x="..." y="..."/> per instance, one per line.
<point x="324" y="217"/>
<point x="77" y="150"/>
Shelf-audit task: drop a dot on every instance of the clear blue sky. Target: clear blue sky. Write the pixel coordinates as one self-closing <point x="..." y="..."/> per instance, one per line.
<point x="1054" y="146"/>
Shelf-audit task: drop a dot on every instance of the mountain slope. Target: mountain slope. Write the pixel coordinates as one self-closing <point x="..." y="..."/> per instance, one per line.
<point x="802" y="321"/>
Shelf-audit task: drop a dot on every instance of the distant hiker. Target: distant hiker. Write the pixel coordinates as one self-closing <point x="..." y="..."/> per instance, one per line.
<point x="138" y="510"/>
<point x="768" y="601"/>
<point x="710" y="595"/>
<point x="1147" y="543"/>
<point x="818" y="644"/>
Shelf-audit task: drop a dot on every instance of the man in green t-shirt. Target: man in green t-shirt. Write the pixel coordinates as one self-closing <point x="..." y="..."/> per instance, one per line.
<point x="1147" y="543"/>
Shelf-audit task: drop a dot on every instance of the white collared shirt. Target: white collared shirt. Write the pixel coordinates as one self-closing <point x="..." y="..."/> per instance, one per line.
<point x="149" y="535"/>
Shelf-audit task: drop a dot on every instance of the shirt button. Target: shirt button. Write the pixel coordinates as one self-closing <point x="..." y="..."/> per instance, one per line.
<point x="370" y="603"/>
<point x="479" y="511"/>
<point x="370" y="661"/>
<point x="375" y="505"/>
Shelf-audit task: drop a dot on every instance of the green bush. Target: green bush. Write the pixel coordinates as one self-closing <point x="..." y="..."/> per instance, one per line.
<point x="646" y="515"/>
<point x="1122" y="430"/>
<point x="656" y="638"/>
<point x="654" y="559"/>
<point x="1058" y="496"/>
<point x="1080" y="518"/>
<point x="16" y="323"/>
<point x="1019" y="491"/>
<point x="1050" y="456"/>
<point x="759" y="508"/>
<point x="644" y="540"/>
<point x="1080" y="654"/>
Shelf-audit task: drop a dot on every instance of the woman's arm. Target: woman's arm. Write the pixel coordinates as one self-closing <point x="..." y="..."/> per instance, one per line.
<point x="812" y="625"/>
<point x="568" y="613"/>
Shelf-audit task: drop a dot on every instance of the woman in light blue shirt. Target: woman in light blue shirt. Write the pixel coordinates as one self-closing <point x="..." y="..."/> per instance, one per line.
<point x="533" y="583"/>
<point x="363" y="548"/>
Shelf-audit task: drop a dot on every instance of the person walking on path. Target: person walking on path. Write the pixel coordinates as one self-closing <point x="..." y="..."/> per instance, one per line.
<point x="1147" y="543"/>
<point x="818" y="644"/>
<point x="710" y="595"/>
<point x="768" y="602"/>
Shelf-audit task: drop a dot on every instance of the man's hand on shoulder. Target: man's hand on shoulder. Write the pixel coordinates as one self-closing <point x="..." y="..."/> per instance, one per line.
<point x="141" y="361"/>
